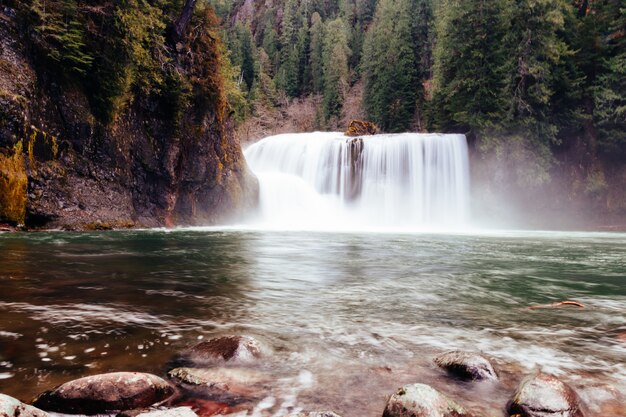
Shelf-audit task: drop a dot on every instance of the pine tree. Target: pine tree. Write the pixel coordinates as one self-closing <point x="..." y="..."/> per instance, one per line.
<point x="471" y="65"/>
<point x="316" y="54"/>
<point x="390" y="68"/>
<point x="335" y="60"/>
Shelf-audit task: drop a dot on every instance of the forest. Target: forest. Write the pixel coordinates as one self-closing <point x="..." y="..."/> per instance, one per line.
<point x="537" y="86"/>
<point x="530" y="82"/>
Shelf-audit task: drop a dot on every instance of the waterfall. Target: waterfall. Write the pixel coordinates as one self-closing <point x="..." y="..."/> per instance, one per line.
<point x="328" y="181"/>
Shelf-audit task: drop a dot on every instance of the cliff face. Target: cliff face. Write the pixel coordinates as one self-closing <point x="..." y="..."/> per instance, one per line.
<point x="62" y="166"/>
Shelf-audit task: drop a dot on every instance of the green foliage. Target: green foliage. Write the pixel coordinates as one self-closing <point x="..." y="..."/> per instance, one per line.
<point x="390" y="66"/>
<point x="335" y="68"/>
<point x="59" y="35"/>
<point x="609" y="90"/>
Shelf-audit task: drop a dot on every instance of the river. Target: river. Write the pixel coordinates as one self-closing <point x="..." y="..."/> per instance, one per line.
<point x="348" y="316"/>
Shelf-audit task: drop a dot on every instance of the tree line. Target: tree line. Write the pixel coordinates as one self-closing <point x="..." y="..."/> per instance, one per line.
<point x="533" y="73"/>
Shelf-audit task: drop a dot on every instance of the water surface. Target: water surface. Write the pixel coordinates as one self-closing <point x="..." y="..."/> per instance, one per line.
<point x="349" y="317"/>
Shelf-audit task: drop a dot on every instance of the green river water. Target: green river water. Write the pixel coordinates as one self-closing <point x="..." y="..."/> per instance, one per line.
<point x="348" y="317"/>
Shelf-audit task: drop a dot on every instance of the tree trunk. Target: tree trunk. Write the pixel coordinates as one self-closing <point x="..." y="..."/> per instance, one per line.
<point x="180" y="26"/>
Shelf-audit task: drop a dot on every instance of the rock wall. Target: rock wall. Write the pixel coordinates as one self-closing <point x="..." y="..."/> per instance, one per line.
<point x="135" y="171"/>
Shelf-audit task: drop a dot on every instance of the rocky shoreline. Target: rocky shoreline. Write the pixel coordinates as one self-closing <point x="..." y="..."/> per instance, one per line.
<point x="218" y="378"/>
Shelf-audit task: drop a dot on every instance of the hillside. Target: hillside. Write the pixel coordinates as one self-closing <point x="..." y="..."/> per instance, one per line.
<point x="109" y="117"/>
<point x="537" y="86"/>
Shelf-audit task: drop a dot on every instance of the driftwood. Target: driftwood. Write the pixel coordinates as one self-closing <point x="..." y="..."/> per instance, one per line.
<point x="558" y="304"/>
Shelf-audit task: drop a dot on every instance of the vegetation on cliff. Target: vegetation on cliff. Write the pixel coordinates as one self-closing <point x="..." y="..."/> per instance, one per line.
<point x="137" y="93"/>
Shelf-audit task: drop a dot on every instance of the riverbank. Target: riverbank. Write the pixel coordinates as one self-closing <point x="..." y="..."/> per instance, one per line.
<point x="226" y="376"/>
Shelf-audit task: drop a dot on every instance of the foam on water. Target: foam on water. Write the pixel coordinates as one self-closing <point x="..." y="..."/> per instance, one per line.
<point x="327" y="181"/>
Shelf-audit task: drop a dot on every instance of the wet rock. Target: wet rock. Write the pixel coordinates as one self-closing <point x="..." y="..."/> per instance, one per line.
<point x="420" y="400"/>
<point x="11" y="407"/>
<point x="106" y="393"/>
<point x="227" y="348"/>
<point x="229" y="385"/>
<point x="467" y="365"/>
<point x="544" y="395"/>
<point x="314" y="414"/>
<point x="157" y="412"/>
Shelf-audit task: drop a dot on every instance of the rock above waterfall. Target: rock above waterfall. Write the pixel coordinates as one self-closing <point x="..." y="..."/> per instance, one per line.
<point x="314" y="414"/>
<point x="106" y="393"/>
<point x="420" y="400"/>
<point x="544" y="395"/>
<point x="361" y="128"/>
<point x="227" y="348"/>
<point x="467" y="365"/>
<point x="11" y="407"/>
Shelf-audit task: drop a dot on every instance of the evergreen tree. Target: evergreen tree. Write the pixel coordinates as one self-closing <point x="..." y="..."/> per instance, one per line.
<point x="335" y="67"/>
<point x="609" y="90"/>
<point x="290" y="54"/>
<point x="390" y="68"/>
<point x="316" y="56"/>
<point x="471" y="65"/>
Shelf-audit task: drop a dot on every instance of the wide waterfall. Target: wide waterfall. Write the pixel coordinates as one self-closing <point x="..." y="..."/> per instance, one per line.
<point x="328" y="181"/>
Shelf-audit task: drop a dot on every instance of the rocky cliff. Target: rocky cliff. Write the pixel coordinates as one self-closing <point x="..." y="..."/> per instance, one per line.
<point x="154" y="162"/>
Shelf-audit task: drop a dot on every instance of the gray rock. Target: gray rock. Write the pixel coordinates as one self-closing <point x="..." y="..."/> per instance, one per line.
<point x="106" y="393"/>
<point x="467" y="365"/>
<point x="223" y="384"/>
<point x="165" y="412"/>
<point x="227" y="348"/>
<point x="11" y="407"/>
<point x="314" y="414"/>
<point x="420" y="400"/>
<point x="544" y="395"/>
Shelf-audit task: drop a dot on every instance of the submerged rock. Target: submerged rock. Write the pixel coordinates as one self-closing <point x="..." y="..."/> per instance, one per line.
<point x="11" y="407"/>
<point x="467" y="365"/>
<point x="106" y="393"/>
<point x="230" y="385"/>
<point x="227" y="348"/>
<point x="544" y="395"/>
<point x="421" y="400"/>
<point x="155" y="412"/>
<point x="314" y="414"/>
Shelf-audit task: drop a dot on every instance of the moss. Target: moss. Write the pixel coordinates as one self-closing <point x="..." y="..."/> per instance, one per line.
<point x="13" y="185"/>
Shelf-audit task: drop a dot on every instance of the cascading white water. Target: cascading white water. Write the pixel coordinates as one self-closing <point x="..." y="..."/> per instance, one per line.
<point x="329" y="181"/>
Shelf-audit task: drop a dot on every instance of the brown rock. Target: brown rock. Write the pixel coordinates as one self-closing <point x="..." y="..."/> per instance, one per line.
<point x="230" y="385"/>
<point x="544" y="395"/>
<point x="361" y="128"/>
<point x="467" y="365"/>
<point x="227" y="348"/>
<point x="11" y="407"/>
<point x="420" y="400"/>
<point x="106" y="393"/>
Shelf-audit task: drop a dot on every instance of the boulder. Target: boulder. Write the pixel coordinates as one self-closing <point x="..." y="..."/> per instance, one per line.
<point x="227" y="348"/>
<point x="11" y="407"/>
<point x="361" y="128"/>
<point x="421" y="400"/>
<point x="230" y="385"/>
<point x="544" y="395"/>
<point x="314" y="414"/>
<point x="106" y="393"/>
<point x="157" y="412"/>
<point x="467" y="365"/>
